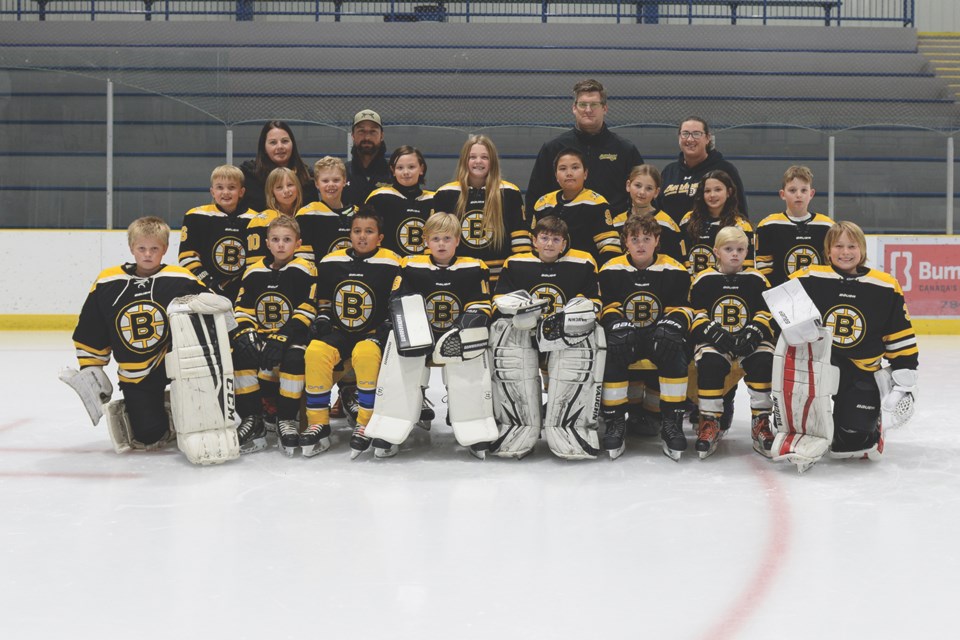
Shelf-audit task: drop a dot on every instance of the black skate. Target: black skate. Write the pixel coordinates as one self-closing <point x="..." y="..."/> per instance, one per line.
<point x="384" y="449"/>
<point x="671" y="432"/>
<point x="427" y="414"/>
<point x="358" y="442"/>
<point x="351" y="406"/>
<point x="315" y="439"/>
<point x="252" y="435"/>
<point x="289" y="438"/>
<point x="479" y="450"/>
<point x="615" y="426"/>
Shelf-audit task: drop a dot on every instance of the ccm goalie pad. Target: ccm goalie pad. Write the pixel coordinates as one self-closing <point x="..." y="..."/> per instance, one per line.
<point x="399" y="396"/>
<point x="201" y="373"/>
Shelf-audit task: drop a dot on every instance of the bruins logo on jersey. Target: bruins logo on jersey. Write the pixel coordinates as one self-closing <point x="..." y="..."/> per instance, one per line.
<point x="847" y="324"/>
<point x="273" y="311"/>
<point x="229" y="256"/>
<point x="354" y="304"/>
<point x="800" y="257"/>
<point x="142" y="325"/>
<point x="701" y="258"/>
<point x="410" y="235"/>
<point x="642" y="309"/>
<point x="472" y="231"/>
<point x="731" y="313"/>
<point x="339" y="243"/>
<point x="442" y="309"/>
<point x="551" y="294"/>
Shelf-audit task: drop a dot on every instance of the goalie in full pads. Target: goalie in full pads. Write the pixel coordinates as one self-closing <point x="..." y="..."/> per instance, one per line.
<point x="443" y="299"/>
<point x="132" y="311"/>
<point x="864" y="321"/>
<point x="561" y="286"/>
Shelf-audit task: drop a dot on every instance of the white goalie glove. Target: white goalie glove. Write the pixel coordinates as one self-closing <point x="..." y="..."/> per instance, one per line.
<point x="522" y="308"/>
<point x="464" y="342"/>
<point x="897" y="390"/>
<point x="93" y="387"/>
<point x="567" y="327"/>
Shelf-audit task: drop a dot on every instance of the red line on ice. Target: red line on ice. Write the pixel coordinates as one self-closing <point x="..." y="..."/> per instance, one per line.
<point x="73" y="475"/>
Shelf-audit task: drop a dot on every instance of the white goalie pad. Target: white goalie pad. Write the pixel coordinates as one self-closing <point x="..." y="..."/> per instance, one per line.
<point x="567" y="327"/>
<point x="523" y="309"/>
<point x="398" y="400"/>
<point x="794" y="311"/>
<point x="93" y="387"/>
<point x="460" y="345"/>
<point x="205" y="303"/>
<point x="120" y="431"/>
<point x="515" y="375"/>
<point x="411" y="326"/>
<point x="573" y="399"/>
<point x="201" y="388"/>
<point x="804" y="382"/>
<point x="897" y="391"/>
<point x="470" y="398"/>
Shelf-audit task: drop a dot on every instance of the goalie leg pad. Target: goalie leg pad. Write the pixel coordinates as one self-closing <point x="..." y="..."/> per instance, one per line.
<point x="120" y="428"/>
<point x="93" y="387"/>
<point x="804" y="382"/>
<point x="202" y="388"/>
<point x="516" y="389"/>
<point x="470" y="398"/>
<point x="398" y="395"/>
<point x="573" y="401"/>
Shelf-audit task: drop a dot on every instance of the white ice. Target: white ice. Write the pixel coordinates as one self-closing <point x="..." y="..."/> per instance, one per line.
<point x="435" y="544"/>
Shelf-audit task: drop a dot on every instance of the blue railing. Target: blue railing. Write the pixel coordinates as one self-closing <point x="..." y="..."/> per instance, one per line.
<point x="829" y="12"/>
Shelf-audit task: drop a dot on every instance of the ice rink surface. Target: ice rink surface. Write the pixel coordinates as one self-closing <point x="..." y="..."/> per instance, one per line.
<point x="436" y="544"/>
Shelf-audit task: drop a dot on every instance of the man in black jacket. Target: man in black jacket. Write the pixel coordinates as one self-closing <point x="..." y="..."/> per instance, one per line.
<point x="368" y="168"/>
<point x="609" y="158"/>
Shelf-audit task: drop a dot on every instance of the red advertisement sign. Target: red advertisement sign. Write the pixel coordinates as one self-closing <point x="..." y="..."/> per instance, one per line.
<point x="929" y="275"/>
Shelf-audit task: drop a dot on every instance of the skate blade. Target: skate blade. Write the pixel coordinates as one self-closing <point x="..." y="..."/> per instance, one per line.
<point x="616" y="453"/>
<point x="424" y="424"/>
<point x="312" y="450"/>
<point x="802" y="463"/>
<point x="257" y="444"/>
<point x="289" y="451"/>
<point x="479" y="455"/>
<point x="389" y="452"/>
<point x="706" y="453"/>
<point x="766" y="453"/>
<point x="670" y="453"/>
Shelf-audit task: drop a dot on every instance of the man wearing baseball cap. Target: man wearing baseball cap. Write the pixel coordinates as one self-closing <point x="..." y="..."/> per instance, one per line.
<point x="368" y="168"/>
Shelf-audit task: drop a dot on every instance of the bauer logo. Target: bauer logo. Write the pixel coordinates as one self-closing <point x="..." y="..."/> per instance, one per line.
<point x="929" y="275"/>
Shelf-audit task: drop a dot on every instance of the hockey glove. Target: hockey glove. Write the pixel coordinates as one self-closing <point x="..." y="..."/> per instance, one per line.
<point x="246" y="348"/>
<point x="897" y="389"/>
<point x="719" y="337"/>
<point x="322" y="326"/>
<point x="667" y="340"/>
<point x="748" y="340"/>
<point x="272" y="352"/>
<point x="623" y="339"/>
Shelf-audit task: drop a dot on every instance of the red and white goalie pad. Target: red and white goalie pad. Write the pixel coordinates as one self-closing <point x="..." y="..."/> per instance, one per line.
<point x="201" y="388"/>
<point x="804" y="382"/>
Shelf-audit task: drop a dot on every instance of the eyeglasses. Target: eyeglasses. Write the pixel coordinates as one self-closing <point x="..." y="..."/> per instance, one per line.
<point x="548" y="240"/>
<point x="583" y="106"/>
<point x="696" y="135"/>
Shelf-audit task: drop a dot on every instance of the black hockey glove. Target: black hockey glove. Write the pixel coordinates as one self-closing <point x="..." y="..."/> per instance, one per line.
<point x="748" y="340"/>
<point x="623" y="339"/>
<point x="719" y="337"/>
<point x="272" y="352"/>
<point x="322" y="326"/>
<point x="246" y="347"/>
<point x="667" y="340"/>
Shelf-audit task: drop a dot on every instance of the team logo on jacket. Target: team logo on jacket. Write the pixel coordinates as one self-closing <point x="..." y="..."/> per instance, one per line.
<point x="800" y="257"/>
<point x="229" y="256"/>
<point x="702" y="258"/>
<point x="354" y="304"/>
<point x="551" y="294"/>
<point x="472" y="231"/>
<point x="142" y="325"/>
<point x="731" y="313"/>
<point x="273" y="311"/>
<point x="642" y="309"/>
<point x="410" y="235"/>
<point x="847" y="324"/>
<point x="442" y="309"/>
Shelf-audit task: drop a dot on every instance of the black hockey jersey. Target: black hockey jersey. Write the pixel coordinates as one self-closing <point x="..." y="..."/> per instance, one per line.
<point x="733" y="300"/>
<point x="447" y="291"/>
<point x="215" y="246"/>
<point x="867" y="315"/>
<point x="785" y="245"/>
<point x="475" y="241"/>
<point x="700" y="249"/>
<point x="403" y="218"/>
<point x="671" y="239"/>
<point x="270" y="298"/>
<point x="354" y="291"/>
<point x="589" y="219"/>
<point x="572" y="274"/>
<point x="127" y="315"/>
<point x="645" y="296"/>
<point x="323" y="230"/>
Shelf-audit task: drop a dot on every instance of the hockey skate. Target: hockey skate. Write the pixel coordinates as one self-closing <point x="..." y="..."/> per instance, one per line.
<point x="643" y="423"/>
<point x="761" y="434"/>
<point x="314" y="440"/>
<point x="269" y="415"/>
<point x="351" y="406"/>
<point x="358" y="442"/>
<point x="384" y="449"/>
<point x="427" y="414"/>
<point x="615" y="426"/>
<point x="870" y="448"/>
<point x="252" y="435"/>
<point x="671" y="433"/>
<point x="289" y="438"/>
<point x="708" y="435"/>
<point x="479" y="450"/>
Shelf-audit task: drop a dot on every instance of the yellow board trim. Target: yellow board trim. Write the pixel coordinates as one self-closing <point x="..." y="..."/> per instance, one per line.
<point x="34" y="322"/>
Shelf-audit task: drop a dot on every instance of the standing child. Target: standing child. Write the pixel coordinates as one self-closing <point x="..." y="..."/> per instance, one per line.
<point x="274" y="312"/>
<point x="792" y="240"/>
<point x="353" y="287"/>
<point x="405" y="205"/>
<point x="715" y="206"/>
<point x="643" y="185"/>
<point x="283" y="197"/>
<point x="732" y="326"/>
<point x="325" y="225"/>
<point x="215" y="241"/>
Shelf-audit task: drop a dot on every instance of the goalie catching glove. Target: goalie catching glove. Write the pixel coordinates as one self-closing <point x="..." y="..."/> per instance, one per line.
<point x="522" y="308"/>
<point x="897" y="389"/>
<point x="568" y="326"/>
<point x="466" y="341"/>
